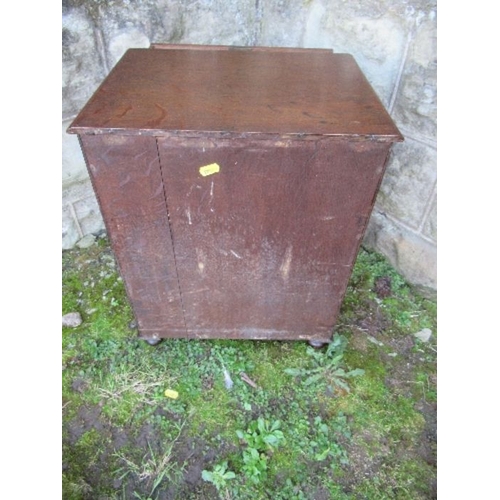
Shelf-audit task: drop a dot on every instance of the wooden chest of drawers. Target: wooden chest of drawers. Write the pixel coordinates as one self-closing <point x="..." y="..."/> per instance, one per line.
<point x="235" y="185"/>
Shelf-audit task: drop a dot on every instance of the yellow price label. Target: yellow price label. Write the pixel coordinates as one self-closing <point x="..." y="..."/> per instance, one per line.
<point x="170" y="393"/>
<point x="213" y="168"/>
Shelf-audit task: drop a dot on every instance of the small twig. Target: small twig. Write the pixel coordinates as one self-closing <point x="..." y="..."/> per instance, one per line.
<point x="248" y="380"/>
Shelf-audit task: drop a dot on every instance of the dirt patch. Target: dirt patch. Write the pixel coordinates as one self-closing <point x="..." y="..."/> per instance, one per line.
<point x="86" y="420"/>
<point x="363" y="465"/>
<point x="428" y="441"/>
<point x="189" y="455"/>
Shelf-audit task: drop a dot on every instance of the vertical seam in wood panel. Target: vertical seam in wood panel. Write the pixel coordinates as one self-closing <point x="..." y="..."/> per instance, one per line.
<point x="171" y="238"/>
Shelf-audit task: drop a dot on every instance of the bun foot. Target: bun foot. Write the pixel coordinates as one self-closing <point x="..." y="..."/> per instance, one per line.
<point x="152" y="341"/>
<point x="317" y="344"/>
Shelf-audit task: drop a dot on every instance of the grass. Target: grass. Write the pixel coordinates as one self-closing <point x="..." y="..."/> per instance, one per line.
<point x="370" y="434"/>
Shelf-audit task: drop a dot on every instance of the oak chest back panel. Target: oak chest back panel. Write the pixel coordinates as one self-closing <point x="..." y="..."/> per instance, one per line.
<point x="235" y="185"/>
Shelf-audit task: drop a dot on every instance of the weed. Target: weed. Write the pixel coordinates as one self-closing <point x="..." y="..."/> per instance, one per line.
<point x="325" y="368"/>
<point x="219" y="477"/>
<point x="151" y="469"/>
<point x="261" y="438"/>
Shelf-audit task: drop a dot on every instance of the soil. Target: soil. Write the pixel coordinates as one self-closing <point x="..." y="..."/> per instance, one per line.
<point x="196" y="455"/>
<point x="193" y="452"/>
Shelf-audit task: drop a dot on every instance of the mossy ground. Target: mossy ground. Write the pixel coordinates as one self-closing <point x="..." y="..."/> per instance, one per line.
<point x="122" y="438"/>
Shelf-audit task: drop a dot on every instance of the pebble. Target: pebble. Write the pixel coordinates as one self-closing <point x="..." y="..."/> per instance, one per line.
<point x="424" y="335"/>
<point x="373" y="340"/>
<point x="72" y="320"/>
<point x="86" y="242"/>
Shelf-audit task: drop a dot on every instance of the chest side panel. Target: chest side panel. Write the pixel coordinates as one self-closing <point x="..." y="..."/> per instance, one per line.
<point x="265" y="246"/>
<point x="126" y="177"/>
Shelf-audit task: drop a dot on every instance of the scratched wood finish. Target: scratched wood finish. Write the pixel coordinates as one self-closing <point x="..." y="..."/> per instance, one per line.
<point x="126" y="177"/>
<point x="264" y="248"/>
<point x="238" y="91"/>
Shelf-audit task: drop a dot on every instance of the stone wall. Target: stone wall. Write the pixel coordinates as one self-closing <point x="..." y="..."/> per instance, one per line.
<point x="393" y="41"/>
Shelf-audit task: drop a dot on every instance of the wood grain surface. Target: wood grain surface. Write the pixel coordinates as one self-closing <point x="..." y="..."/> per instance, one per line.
<point x="265" y="246"/>
<point x="126" y="176"/>
<point x="237" y="92"/>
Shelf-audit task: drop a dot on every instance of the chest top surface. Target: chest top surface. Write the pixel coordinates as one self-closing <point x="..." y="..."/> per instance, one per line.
<point x="266" y="91"/>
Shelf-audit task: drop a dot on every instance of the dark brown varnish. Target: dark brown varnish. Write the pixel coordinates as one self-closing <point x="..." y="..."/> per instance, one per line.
<point x="262" y="249"/>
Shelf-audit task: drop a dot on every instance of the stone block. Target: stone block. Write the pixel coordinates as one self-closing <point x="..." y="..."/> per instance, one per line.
<point x="70" y="233"/>
<point x="413" y="256"/>
<point x="126" y="24"/>
<point x="408" y="182"/>
<point x="73" y="163"/>
<point x="219" y="22"/>
<point x="430" y="224"/>
<point x="82" y="68"/>
<point x="415" y="105"/>
<point x="79" y="202"/>
<point x="89" y="215"/>
<point x="282" y="23"/>
<point x="77" y="191"/>
<point x="373" y="32"/>
<point x="123" y="40"/>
